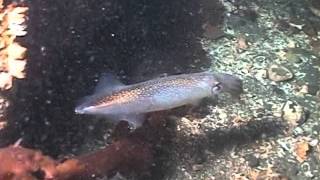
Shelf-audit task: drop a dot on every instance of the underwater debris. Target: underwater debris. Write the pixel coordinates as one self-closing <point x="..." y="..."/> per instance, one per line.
<point x="127" y="154"/>
<point x="268" y="174"/>
<point x="301" y="150"/>
<point x="131" y="153"/>
<point x="279" y="73"/>
<point x="286" y="35"/>
<point x="13" y="55"/>
<point x="304" y="89"/>
<point x="293" y="113"/>
<point x="242" y="43"/>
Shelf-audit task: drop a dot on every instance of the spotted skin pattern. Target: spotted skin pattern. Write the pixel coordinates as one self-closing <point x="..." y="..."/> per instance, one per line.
<point x="160" y="94"/>
<point x="143" y="90"/>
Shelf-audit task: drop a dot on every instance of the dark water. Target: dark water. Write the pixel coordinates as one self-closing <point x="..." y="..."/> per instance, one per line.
<point x="70" y="43"/>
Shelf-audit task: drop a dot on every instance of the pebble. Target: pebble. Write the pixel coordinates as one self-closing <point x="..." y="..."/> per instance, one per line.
<point x="293" y="57"/>
<point x="242" y="43"/>
<point x="279" y="73"/>
<point x="262" y="74"/>
<point x="293" y="113"/>
<point x="298" y="131"/>
<point x="314" y="142"/>
<point x="304" y="89"/>
<point x="197" y="167"/>
<point x="253" y="161"/>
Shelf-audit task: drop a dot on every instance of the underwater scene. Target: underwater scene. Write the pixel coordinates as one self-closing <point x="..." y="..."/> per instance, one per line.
<point x="160" y="90"/>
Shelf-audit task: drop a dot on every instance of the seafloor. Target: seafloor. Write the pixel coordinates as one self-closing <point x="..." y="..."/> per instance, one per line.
<point x="271" y="133"/>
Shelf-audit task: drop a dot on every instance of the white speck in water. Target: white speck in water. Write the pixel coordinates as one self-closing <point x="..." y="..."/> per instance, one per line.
<point x="92" y="58"/>
<point x="26" y="119"/>
<point x="91" y="128"/>
<point x="47" y="123"/>
<point x="43" y="50"/>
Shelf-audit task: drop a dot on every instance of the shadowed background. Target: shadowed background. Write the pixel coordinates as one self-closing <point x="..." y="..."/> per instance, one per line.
<point x="71" y="42"/>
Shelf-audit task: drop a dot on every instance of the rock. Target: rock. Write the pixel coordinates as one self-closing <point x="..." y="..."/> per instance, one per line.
<point x="294" y="113"/>
<point x="303" y="90"/>
<point x="253" y="161"/>
<point x="301" y="150"/>
<point x="222" y="114"/>
<point x="262" y="74"/>
<point x="279" y="73"/>
<point x="242" y="43"/>
<point x="314" y="142"/>
<point x="292" y="56"/>
<point x="197" y="167"/>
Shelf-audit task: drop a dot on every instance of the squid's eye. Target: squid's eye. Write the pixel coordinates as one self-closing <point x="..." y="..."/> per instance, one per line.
<point x="216" y="88"/>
